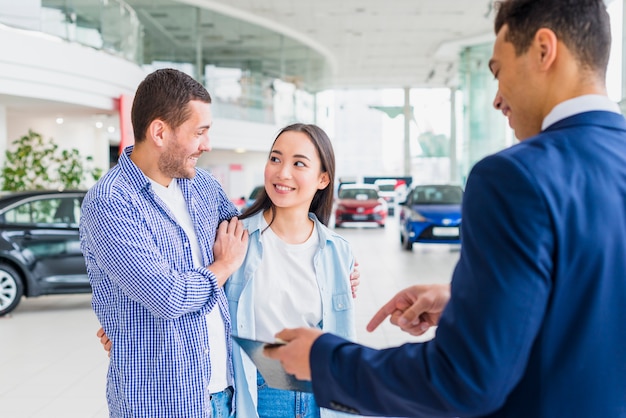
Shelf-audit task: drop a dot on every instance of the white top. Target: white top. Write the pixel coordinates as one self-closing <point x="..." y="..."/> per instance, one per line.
<point x="286" y="293"/>
<point x="173" y="197"/>
<point x="580" y="104"/>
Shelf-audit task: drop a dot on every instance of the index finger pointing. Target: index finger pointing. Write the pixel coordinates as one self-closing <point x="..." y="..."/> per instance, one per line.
<point x="380" y="316"/>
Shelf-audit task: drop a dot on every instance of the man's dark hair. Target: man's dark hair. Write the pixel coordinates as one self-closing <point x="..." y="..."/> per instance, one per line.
<point x="582" y="25"/>
<point x="165" y="94"/>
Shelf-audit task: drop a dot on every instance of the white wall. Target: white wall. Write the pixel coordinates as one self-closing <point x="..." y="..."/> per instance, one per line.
<point x="3" y="131"/>
<point x="23" y="13"/>
<point x="85" y="83"/>
<point x="238" y="172"/>
<point x="39" y="66"/>
<point x="225" y="166"/>
<point x="232" y="134"/>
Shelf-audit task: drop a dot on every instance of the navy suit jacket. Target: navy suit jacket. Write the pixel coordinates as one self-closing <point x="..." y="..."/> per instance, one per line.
<point x="536" y="322"/>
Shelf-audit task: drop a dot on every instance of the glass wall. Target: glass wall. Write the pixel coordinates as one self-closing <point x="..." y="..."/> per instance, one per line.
<point x="240" y="94"/>
<point x="485" y="129"/>
<point x="110" y="25"/>
<point x="113" y="26"/>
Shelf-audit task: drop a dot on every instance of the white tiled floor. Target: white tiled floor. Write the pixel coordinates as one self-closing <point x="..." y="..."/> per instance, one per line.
<point x="52" y="364"/>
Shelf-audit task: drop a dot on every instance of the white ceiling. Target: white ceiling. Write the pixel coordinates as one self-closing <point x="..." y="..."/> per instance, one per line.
<point x="317" y="44"/>
<point x="374" y="43"/>
<point x="328" y="43"/>
<point x="320" y="44"/>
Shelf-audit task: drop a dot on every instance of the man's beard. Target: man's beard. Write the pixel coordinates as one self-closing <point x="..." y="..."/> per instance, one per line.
<point x="172" y="164"/>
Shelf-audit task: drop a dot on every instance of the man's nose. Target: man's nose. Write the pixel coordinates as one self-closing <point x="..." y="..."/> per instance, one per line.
<point x="205" y="143"/>
<point x="497" y="101"/>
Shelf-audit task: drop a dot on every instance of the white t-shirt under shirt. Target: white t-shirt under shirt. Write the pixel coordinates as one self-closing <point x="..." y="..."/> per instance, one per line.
<point x="173" y="197"/>
<point x="286" y="293"/>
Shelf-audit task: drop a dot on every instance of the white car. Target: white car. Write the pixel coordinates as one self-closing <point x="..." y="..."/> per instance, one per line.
<point x="387" y="190"/>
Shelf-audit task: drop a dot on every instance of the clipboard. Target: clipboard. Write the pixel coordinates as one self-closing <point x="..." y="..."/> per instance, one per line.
<point x="271" y="370"/>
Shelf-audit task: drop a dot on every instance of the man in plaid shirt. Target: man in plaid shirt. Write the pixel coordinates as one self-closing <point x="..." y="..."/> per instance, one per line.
<point x="160" y="238"/>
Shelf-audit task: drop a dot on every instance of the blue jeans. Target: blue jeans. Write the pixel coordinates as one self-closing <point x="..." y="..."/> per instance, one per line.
<point x="221" y="403"/>
<point x="278" y="403"/>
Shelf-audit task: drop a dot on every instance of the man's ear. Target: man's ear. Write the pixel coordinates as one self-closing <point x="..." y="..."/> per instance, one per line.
<point x="546" y="44"/>
<point x="156" y="132"/>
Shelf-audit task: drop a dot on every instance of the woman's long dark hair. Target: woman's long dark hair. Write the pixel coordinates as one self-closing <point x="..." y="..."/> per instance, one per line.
<point x="322" y="203"/>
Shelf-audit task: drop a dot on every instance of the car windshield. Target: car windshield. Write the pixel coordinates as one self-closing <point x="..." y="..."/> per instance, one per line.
<point x="437" y="195"/>
<point x="387" y="187"/>
<point x="358" y="194"/>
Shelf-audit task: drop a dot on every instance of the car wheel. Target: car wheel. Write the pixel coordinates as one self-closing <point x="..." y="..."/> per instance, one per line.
<point x="406" y="243"/>
<point x="11" y="289"/>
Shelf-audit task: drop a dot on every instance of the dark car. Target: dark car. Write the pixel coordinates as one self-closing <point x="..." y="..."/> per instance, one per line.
<point x="39" y="246"/>
<point x="431" y="214"/>
<point x="252" y="198"/>
<point x="360" y="203"/>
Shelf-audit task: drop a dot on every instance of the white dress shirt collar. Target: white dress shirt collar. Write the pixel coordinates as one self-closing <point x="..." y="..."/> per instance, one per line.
<point x="586" y="103"/>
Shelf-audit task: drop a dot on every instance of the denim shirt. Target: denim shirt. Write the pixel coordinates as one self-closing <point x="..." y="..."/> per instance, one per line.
<point x="333" y="262"/>
<point x="148" y="296"/>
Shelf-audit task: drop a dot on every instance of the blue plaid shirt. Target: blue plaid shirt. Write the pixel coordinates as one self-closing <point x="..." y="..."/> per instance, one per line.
<point x="148" y="296"/>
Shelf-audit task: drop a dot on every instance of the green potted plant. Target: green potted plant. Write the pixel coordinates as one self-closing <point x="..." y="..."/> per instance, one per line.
<point x="32" y="163"/>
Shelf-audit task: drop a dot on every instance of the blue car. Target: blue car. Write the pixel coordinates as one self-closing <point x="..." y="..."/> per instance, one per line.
<point x="431" y="214"/>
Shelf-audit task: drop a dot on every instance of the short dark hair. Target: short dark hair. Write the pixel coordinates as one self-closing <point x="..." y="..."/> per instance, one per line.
<point x="322" y="203"/>
<point x="165" y="94"/>
<point x="582" y="25"/>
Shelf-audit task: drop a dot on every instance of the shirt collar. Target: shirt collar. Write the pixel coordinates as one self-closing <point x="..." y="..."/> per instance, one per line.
<point x="580" y="104"/>
<point x="134" y="174"/>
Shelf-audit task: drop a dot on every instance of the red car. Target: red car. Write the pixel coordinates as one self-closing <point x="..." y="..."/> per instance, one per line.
<point x="360" y="203"/>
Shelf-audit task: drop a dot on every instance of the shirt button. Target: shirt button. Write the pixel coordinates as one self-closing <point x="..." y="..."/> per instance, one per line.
<point x="340" y="305"/>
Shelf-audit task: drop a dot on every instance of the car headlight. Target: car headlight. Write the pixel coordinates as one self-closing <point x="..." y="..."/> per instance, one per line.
<point x="341" y="207"/>
<point x="417" y="217"/>
<point x="379" y="208"/>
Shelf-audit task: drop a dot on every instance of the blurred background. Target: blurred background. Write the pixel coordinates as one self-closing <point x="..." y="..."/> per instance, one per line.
<point x="402" y="87"/>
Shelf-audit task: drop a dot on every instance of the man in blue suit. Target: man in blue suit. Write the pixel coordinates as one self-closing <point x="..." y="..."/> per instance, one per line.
<point x="534" y="321"/>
